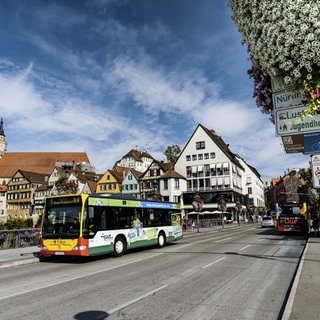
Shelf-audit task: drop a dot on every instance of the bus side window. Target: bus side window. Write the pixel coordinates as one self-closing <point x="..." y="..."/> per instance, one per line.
<point x="104" y="220"/>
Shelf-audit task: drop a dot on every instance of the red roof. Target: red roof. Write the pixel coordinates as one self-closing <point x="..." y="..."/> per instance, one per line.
<point x="40" y="162"/>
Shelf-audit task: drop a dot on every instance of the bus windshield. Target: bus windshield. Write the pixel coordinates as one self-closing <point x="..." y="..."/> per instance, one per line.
<point x="290" y="210"/>
<point x="61" y="221"/>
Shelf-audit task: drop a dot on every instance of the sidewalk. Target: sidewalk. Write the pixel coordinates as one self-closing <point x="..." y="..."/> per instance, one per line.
<point x="18" y="256"/>
<point x="303" y="302"/>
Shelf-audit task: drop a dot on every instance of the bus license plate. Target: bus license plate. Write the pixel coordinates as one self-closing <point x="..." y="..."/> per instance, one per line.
<point x="59" y="253"/>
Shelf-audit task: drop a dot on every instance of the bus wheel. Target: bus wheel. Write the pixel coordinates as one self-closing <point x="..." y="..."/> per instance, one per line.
<point x="161" y="240"/>
<point x="119" y="247"/>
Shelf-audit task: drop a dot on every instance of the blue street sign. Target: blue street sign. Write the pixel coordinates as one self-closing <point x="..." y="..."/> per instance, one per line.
<point x="312" y="143"/>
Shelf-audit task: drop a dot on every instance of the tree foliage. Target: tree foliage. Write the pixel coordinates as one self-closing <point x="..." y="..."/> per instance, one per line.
<point x="172" y="153"/>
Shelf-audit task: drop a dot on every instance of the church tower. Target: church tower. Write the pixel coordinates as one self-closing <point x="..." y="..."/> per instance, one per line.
<point x="3" y="142"/>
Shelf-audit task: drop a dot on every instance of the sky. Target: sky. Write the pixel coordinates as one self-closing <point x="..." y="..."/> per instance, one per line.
<point x="107" y="76"/>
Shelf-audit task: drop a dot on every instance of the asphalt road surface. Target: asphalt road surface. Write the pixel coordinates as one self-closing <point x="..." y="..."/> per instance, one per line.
<point x="238" y="273"/>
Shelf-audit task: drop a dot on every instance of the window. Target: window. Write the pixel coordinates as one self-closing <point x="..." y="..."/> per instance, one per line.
<point x="200" y="171"/>
<point x="226" y="169"/>
<point x="249" y="190"/>
<point x="206" y="169"/>
<point x="189" y="171"/>
<point x="212" y="155"/>
<point x="200" y="145"/>
<point x="206" y="156"/>
<point x="195" y="184"/>
<point x="200" y="156"/>
<point x="188" y="158"/>
<point x="176" y="199"/>
<point x="165" y="184"/>
<point x="219" y="169"/>
<point x="176" y="184"/>
<point x="194" y="157"/>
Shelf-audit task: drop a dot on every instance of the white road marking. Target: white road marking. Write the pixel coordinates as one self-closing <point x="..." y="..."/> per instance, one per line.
<point x="246" y="247"/>
<point x="224" y="239"/>
<point x="135" y="300"/>
<point x="212" y="263"/>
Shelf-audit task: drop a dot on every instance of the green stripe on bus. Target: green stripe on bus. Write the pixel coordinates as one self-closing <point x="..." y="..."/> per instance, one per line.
<point x="100" y="250"/>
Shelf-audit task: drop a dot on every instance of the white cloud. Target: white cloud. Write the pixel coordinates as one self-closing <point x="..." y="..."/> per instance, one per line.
<point x="156" y="90"/>
<point x="18" y="97"/>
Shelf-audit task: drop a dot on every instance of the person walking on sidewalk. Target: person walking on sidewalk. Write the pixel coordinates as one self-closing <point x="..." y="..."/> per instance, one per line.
<point x="315" y="225"/>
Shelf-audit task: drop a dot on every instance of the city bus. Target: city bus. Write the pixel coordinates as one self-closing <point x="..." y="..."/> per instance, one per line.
<point x="292" y="217"/>
<point x="96" y="224"/>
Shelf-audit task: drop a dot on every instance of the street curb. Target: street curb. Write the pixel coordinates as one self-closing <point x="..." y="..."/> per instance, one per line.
<point x="14" y="263"/>
<point x="288" y="309"/>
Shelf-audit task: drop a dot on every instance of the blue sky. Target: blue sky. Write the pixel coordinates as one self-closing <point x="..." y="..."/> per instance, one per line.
<point x="106" y="76"/>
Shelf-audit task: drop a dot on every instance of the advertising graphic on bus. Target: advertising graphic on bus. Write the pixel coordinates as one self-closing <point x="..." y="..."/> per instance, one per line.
<point x="96" y="224"/>
<point x="292" y="217"/>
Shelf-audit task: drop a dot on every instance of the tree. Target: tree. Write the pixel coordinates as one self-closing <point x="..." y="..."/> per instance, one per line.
<point x="172" y="153"/>
<point x="63" y="186"/>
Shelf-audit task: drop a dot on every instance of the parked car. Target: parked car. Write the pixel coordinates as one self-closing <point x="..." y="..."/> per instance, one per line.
<point x="267" y="221"/>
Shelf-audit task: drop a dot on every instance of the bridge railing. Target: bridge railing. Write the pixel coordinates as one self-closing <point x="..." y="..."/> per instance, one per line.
<point x="18" y="238"/>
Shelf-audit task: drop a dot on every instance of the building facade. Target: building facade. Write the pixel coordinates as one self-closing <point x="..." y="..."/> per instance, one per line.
<point x="131" y="184"/>
<point x="21" y="193"/>
<point x="215" y="173"/>
<point x="135" y="159"/>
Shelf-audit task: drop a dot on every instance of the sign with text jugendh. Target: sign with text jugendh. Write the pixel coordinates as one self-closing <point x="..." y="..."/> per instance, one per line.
<point x="288" y="121"/>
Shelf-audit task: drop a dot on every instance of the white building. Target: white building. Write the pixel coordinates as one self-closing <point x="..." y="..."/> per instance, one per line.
<point x="252" y="186"/>
<point x="213" y="171"/>
<point x="137" y="160"/>
<point x="172" y="185"/>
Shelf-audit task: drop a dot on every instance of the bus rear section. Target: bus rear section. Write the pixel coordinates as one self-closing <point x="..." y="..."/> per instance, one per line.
<point x="292" y="218"/>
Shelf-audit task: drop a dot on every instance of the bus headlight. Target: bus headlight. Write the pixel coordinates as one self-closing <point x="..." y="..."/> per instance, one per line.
<point x="79" y="248"/>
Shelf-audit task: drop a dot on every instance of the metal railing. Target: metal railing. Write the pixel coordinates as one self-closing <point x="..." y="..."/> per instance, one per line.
<point x="18" y="238"/>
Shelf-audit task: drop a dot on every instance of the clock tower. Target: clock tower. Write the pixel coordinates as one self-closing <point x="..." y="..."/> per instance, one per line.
<point x="3" y="142"/>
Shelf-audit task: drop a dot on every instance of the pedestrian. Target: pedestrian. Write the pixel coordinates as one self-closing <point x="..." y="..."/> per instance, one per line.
<point x="315" y="225"/>
<point x="184" y="224"/>
<point x="193" y="225"/>
<point x="2" y="238"/>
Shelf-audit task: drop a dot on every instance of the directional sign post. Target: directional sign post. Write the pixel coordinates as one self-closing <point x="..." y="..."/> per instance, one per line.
<point x="288" y="99"/>
<point x="293" y="143"/>
<point x="312" y="143"/>
<point x="288" y="121"/>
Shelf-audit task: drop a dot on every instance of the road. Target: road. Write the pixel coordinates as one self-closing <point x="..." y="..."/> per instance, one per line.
<point x="239" y="273"/>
